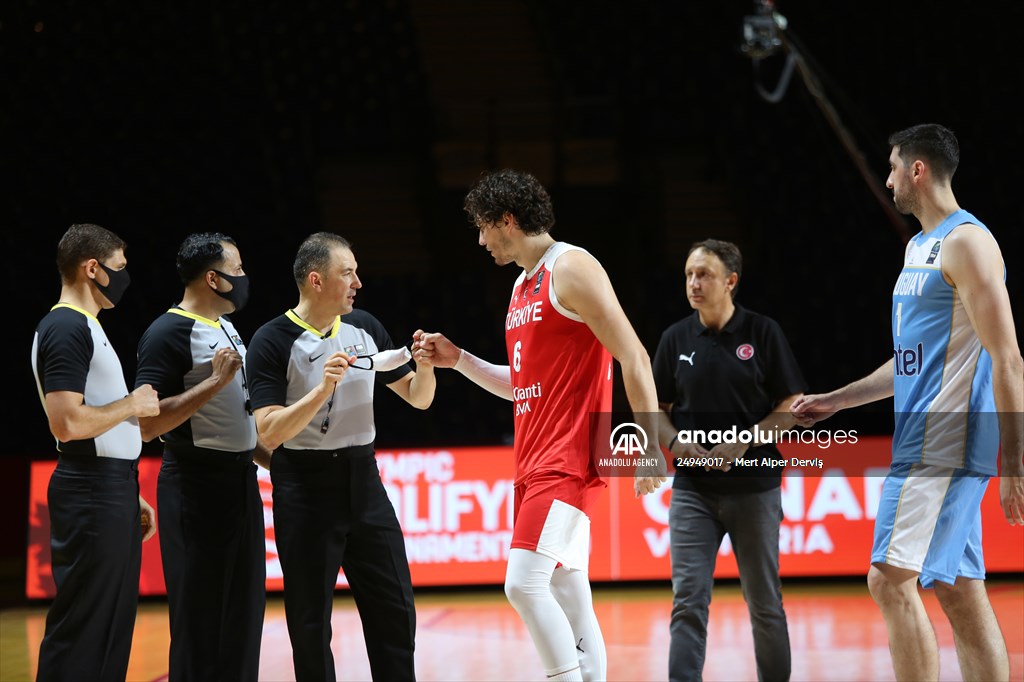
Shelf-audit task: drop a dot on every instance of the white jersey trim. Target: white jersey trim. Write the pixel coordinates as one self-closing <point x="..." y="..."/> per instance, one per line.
<point x="550" y="256"/>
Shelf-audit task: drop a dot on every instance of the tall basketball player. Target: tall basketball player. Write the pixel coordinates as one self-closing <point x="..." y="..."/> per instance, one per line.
<point x="958" y="381"/>
<point x="564" y="325"/>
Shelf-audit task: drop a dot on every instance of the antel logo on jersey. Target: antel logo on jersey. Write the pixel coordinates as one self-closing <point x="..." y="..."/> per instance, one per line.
<point x="908" y="361"/>
<point x="745" y="352"/>
<point x="629" y="443"/>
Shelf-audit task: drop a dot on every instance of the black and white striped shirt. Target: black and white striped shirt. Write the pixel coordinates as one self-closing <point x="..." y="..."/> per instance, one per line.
<point x="175" y="354"/>
<point x="70" y="352"/>
<point x="286" y="361"/>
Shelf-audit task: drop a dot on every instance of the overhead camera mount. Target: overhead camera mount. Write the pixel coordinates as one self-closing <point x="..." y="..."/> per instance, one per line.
<point x="765" y="34"/>
<point x="761" y="30"/>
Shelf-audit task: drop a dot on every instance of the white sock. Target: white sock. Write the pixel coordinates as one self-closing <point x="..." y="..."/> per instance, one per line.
<point x="572" y="590"/>
<point x="528" y="588"/>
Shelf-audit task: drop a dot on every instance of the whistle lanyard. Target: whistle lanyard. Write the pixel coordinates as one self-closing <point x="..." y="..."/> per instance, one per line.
<point x="245" y="380"/>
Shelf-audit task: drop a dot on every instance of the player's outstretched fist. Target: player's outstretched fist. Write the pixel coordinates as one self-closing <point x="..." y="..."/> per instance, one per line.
<point x="434" y="348"/>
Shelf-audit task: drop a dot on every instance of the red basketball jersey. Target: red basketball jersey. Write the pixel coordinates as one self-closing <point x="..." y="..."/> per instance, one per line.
<point x="561" y="377"/>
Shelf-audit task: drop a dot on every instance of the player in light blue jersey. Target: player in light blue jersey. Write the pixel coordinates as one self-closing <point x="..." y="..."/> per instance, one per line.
<point x="942" y="375"/>
<point x="957" y="380"/>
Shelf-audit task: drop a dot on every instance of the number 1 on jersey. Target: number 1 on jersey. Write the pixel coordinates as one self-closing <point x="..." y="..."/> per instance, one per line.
<point x="899" y="316"/>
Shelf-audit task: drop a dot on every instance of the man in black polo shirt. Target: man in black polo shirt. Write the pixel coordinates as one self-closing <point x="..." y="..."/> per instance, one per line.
<point x="212" y="540"/>
<point x="98" y="520"/>
<point x="313" y="371"/>
<point x="725" y="368"/>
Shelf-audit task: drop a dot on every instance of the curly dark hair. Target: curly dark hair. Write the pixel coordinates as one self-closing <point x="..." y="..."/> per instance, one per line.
<point x="514" y="192"/>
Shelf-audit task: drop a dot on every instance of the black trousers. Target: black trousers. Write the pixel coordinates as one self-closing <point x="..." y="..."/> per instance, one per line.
<point x="213" y="547"/>
<point x="331" y="511"/>
<point x="96" y="548"/>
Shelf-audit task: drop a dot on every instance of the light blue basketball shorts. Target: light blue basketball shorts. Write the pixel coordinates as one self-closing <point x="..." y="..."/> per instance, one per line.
<point x="929" y="521"/>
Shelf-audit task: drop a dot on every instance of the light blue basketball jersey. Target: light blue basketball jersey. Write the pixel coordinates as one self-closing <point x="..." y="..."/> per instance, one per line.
<point x="942" y="376"/>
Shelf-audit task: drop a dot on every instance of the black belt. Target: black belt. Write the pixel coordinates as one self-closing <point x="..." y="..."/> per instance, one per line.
<point x="299" y="461"/>
<point x="190" y="454"/>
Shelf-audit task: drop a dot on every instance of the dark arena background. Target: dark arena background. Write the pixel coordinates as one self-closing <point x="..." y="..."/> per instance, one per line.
<point x="652" y="124"/>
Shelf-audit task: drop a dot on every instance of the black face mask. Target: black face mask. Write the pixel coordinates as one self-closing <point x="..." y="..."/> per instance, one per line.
<point x="118" y="282"/>
<point x="239" y="294"/>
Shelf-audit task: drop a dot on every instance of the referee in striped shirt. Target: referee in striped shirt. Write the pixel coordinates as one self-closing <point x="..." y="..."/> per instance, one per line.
<point x="313" y="371"/>
<point x="212" y="539"/>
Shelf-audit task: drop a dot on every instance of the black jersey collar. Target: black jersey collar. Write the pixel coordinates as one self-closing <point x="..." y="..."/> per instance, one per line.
<point x="735" y="322"/>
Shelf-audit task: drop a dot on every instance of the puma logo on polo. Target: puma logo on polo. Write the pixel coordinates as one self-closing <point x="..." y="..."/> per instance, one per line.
<point x="688" y="358"/>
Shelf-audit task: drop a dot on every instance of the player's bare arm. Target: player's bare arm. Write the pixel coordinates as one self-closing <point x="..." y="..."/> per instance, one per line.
<point x="583" y="287"/>
<point x="71" y="419"/>
<point x="811" y="409"/>
<point x="277" y="423"/>
<point x="433" y="348"/>
<point x="973" y="264"/>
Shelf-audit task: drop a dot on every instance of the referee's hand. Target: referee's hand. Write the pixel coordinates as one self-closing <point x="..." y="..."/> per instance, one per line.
<point x="335" y="367"/>
<point x="145" y="401"/>
<point x="225" y="364"/>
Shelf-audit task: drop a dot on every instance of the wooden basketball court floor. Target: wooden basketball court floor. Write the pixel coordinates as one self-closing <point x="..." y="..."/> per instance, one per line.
<point x="836" y="633"/>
